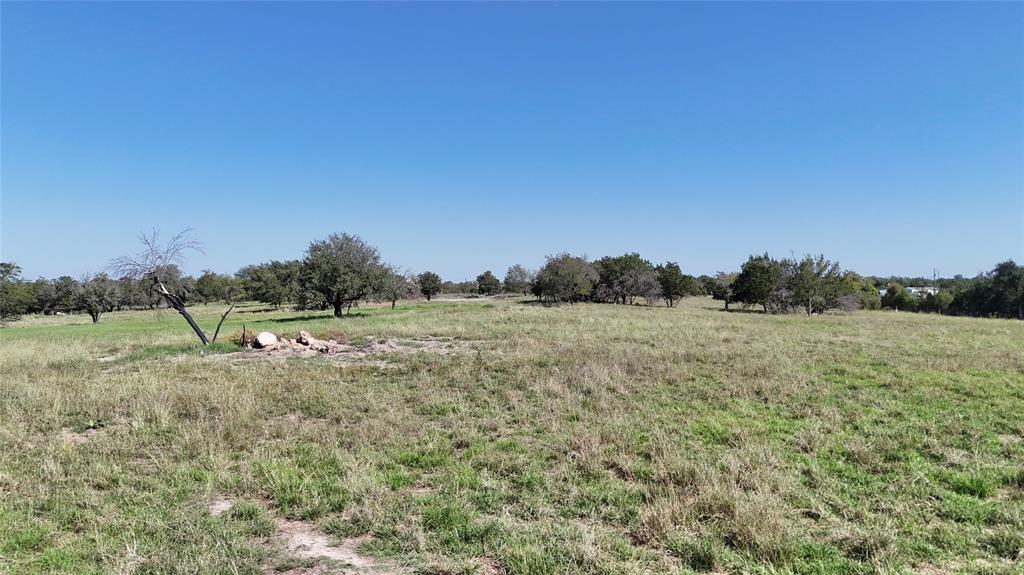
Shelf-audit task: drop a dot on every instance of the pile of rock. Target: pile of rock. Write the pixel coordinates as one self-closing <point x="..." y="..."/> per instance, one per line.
<point x="268" y="345"/>
<point x="304" y="342"/>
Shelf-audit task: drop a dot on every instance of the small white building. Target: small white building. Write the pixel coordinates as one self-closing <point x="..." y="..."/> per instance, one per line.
<point x="915" y="291"/>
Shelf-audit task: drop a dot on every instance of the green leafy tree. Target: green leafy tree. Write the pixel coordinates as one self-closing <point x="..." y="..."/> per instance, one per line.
<point x="622" y="279"/>
<point x="274" y="283"/>
<point x="1007" y="285"/>
<point x="45" y="295"/>
<point x="96" y="295"/>
<point x="396" y="286"/>
<point x="815" y="284"/>
<point x="14" y="299"/>
<point x="342" y="269"/>
<point x="211" y="286"/>
<point x="935" y="302"/>
<point x="64" y="288"/>
<point x="898" y="298"/>
<point x="463" y="287"/>
<point x="706" y="284"/>
<point x="487" y="283"/>
<point x="999" y="293"/>
<point x="430" y="284"/>
<point x="721" y="288"/>
<point x="674" y="284"/>
<point x="517" y="280"/>
<point x="756" y="282"/>
<point x="565" y="278"/>
<point x="863" y="293"/>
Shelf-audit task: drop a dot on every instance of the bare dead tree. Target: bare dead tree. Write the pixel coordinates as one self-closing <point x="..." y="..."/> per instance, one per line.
<point x="153" y="260"/>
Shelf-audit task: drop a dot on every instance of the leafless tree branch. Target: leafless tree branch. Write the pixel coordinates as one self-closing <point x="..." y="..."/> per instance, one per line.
<point x="155" y="257"/>
<point x="222" y="317"/>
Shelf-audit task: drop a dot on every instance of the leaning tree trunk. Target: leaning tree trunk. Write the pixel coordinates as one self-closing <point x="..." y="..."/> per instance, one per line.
<point x="179" y="306"/>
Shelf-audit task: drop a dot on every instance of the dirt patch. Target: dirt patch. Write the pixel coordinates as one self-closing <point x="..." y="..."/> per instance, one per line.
<point x="303" y="540"/>
<point x="305" y="346"/>
<point x="1008" y="439"/>
<point x="219" y="506"/>
<point x="421" y="490"/>
<point x="322" y="554"/>
<point x="933" y="570"/>
<point x="83" y="437"/>
<point x="979" y="565"/>
<point x="314" y="570"/>
<point x="487" y="566"/>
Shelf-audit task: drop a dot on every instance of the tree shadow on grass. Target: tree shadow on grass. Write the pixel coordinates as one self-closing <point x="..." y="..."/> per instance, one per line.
<point x="314" y="317"/>
<point x="539" y="303"/>
<point x="258" y="310"/>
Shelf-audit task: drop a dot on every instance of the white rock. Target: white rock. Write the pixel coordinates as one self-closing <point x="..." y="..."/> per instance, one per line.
<point x="264" y="339"/>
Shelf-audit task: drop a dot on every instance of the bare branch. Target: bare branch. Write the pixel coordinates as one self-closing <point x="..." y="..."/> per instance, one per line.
<point x="155" y="254"/>
<point x="153" y="259"/>
<point x="222" y="317"/>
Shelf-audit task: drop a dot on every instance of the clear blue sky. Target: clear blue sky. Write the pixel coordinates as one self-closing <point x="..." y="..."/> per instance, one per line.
<point x="461" y="137"/>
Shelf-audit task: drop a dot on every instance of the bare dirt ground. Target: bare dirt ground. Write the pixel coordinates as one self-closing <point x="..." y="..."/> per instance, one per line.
<point x="325" y="556"/>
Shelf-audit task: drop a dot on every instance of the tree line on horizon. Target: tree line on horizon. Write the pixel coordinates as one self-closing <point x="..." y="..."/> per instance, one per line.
<point x="342" y="270"/>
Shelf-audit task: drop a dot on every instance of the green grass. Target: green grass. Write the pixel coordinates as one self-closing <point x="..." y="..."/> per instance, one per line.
<point x="572" y="439"/>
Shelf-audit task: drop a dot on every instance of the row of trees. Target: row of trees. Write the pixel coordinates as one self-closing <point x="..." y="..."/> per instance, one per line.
<point x="812" y="285"/>
<point x="625" y="279"/>
<point x="998" y="293"/>
<point x="92" y="294"/>
<point x="342" y="270"/>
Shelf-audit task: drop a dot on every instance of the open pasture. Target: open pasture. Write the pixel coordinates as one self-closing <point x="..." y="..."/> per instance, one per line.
<point x="569" y="439"/>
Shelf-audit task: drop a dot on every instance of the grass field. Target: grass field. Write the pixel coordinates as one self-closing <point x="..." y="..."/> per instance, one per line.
<point x="573" y="439"/>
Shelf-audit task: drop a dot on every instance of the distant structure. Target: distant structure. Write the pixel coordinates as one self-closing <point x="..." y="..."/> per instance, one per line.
<point x="915" y="291"/>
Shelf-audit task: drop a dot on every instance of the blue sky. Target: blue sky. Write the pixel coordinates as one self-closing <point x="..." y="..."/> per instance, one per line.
<point x="462" y="137"/>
